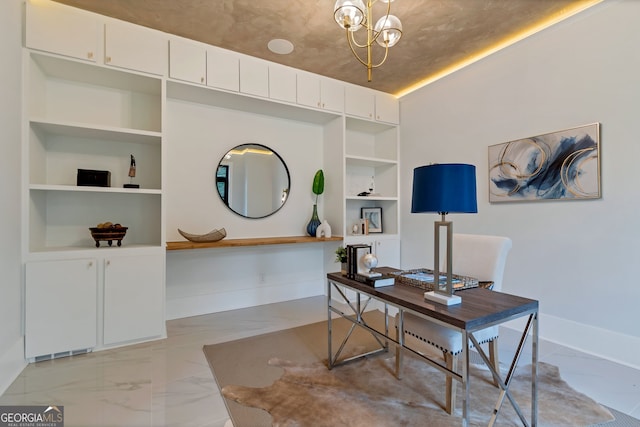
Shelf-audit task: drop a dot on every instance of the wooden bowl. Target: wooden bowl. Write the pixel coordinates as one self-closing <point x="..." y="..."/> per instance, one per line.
<point x="108" y="235"/>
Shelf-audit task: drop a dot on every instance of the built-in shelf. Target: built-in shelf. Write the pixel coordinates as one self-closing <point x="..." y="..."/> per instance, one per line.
<point x="259" y="241"/>
<point x="110" y="133"/>
<point x="93" y="189"/>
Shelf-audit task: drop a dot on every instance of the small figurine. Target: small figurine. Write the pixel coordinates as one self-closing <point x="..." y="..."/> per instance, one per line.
<point x="132" y="174"/>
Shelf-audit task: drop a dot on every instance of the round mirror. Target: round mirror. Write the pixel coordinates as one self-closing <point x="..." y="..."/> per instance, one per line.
<point x="253" y="180"/>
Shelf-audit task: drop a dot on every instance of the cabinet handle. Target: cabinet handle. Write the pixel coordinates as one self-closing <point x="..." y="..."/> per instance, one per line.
<point x="90" y="263"/>
<point x="201" y="79"/>
<point x="323" y="105"/>
<point x="108" y="263"/>
<point x="318" y="104"/>
<point x="90" y="55"/>
<point x="107" y="59"/>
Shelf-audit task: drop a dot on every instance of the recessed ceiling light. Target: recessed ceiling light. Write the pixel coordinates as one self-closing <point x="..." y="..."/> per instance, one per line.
<point x="280" y="46"/>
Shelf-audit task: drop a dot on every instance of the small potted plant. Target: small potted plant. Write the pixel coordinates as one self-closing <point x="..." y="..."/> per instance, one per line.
<point x="341" y="257"/>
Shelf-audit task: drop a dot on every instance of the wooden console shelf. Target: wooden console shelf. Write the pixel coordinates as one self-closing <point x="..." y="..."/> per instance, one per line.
<point x="260" y="241"/>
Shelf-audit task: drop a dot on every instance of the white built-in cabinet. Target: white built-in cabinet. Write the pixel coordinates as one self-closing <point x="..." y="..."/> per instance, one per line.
<point x="282" y="83"/>
<point x="63" y="30"/>
<point x="387" y="109"/>
<point x="359" y="102"/>
<point x="316" y="91"/>
<point x="83" y="113"/>
<point x="187" y="61"/>
<point x="95" y="91"/>
<point x="80" y="304"/>
<point x="223" y="69"/>
<point x="133" y="304"/>
<point x="52" y="27"/>
<point x="134" y="48"/>
<point x="61" y="306"/>
<point x="205" y="65"/>
<point x="367" y="104"/>
<point x="254" y="76"/>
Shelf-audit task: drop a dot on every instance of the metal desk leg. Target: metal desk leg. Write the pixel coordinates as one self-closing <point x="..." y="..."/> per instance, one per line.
<point x="534" y="372"/>
<point x="465" y="379"/>
<point x="358" y="320"/>
<point x="330" y="358"/>
<point x="400" y="344"/>
<point x="504" y="384"/>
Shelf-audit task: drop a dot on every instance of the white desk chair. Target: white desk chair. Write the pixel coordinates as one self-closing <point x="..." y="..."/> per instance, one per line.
<point x="480" y="257"/>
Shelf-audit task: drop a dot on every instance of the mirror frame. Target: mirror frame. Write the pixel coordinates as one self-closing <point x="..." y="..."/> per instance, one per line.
<point x="283" y="163"/>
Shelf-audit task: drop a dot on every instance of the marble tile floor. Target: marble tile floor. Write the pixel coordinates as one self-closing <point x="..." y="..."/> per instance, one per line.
<point x="168" y="382"/>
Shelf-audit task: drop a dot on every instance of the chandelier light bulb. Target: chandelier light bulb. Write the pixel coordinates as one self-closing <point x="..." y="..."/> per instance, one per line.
<point x="390" y="29"/>
<point x="349" y="14"/>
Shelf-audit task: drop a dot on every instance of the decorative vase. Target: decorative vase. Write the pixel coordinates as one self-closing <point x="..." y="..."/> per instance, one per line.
<point x="314" y="222"/>
<point x="343" y="268"/>
<point x="323" y="230"/>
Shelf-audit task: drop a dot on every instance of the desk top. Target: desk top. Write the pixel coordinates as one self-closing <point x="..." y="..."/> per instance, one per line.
<point x="479" y="307"/>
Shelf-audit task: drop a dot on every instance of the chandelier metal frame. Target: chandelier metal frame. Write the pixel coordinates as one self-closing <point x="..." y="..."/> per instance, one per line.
<point x="388" y="27"/>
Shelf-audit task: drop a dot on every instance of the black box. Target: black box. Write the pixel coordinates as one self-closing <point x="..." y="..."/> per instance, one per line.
<point x="93" y="178"/>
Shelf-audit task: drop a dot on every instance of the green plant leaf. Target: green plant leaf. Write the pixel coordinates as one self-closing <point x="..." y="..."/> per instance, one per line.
<point x="318" y="183"/>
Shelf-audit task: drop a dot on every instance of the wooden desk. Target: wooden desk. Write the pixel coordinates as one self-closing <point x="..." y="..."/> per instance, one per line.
<point x="480" y="308"/>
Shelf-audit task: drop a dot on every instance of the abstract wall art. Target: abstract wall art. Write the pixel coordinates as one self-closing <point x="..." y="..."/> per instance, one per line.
<point x="563" y="165"/>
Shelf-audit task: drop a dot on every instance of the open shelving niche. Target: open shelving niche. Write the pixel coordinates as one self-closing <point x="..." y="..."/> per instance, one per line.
<point x="371" y="155"/>
<point x="332" y="123"/>
<point x="84" y="116"/>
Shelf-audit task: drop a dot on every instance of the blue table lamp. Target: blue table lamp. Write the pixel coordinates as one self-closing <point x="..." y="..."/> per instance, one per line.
<point x="444" y="189"/>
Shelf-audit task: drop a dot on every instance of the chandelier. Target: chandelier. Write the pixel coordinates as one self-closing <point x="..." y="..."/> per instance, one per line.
<point x="352" y="15"/>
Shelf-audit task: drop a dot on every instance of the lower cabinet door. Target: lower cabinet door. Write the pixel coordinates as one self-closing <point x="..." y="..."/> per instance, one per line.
<point x="133" y="298"/>
<point x="61" y="306"/>
<point x="388" y="252"/>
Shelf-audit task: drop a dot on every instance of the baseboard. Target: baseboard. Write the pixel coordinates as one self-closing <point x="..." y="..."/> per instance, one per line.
<point x="12" y="363"/>
<point x="603" y="343"/>
<point x="197" y="305"/>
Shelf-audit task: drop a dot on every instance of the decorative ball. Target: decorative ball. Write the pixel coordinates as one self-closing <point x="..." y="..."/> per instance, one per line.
<point x="370" y="261"/>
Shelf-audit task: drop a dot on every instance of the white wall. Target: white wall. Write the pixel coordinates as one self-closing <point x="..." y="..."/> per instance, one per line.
<point x="578" y="258"/>
<point x="11" y="302"/>
<point x="205" y="281"/>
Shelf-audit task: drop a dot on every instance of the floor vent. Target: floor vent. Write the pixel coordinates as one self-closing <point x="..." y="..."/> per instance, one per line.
<point x="61" y="354"/>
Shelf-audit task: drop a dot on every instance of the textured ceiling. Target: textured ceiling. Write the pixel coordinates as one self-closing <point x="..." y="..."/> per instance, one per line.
<point x="436" y="33"/>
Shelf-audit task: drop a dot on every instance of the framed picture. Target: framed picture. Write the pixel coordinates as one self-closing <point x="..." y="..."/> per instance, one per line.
<point x="562" y="165"/>
<point x="374" y="216"/>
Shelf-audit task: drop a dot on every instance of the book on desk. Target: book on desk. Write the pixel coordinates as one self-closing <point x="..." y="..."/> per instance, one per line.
<point x="376" y="282"/>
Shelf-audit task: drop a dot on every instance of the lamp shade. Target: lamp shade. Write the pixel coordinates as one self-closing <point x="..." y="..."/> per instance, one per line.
<point x="444" y="188"/>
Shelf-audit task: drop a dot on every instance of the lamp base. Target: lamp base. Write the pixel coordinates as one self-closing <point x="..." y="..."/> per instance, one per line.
<point x="442" y="298"/>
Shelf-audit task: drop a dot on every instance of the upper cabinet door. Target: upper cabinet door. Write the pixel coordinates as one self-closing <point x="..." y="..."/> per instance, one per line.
<point x="282" y="83"/>
<point x="254" y="76"/>
<point x="318" y="92"/>
<point x="308" y="90"/>
<point x="387" y="108"/>
<point x="63" y="30"/>
<point x="332" y="95"/>
<point x="135" y="48"/>
<point x="187" y="61"/>
<point x="359" y="101"/>
<point x="223" y="69"/>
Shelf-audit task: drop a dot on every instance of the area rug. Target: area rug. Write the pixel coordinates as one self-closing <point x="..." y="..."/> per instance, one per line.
<point x="281" y="379"/>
